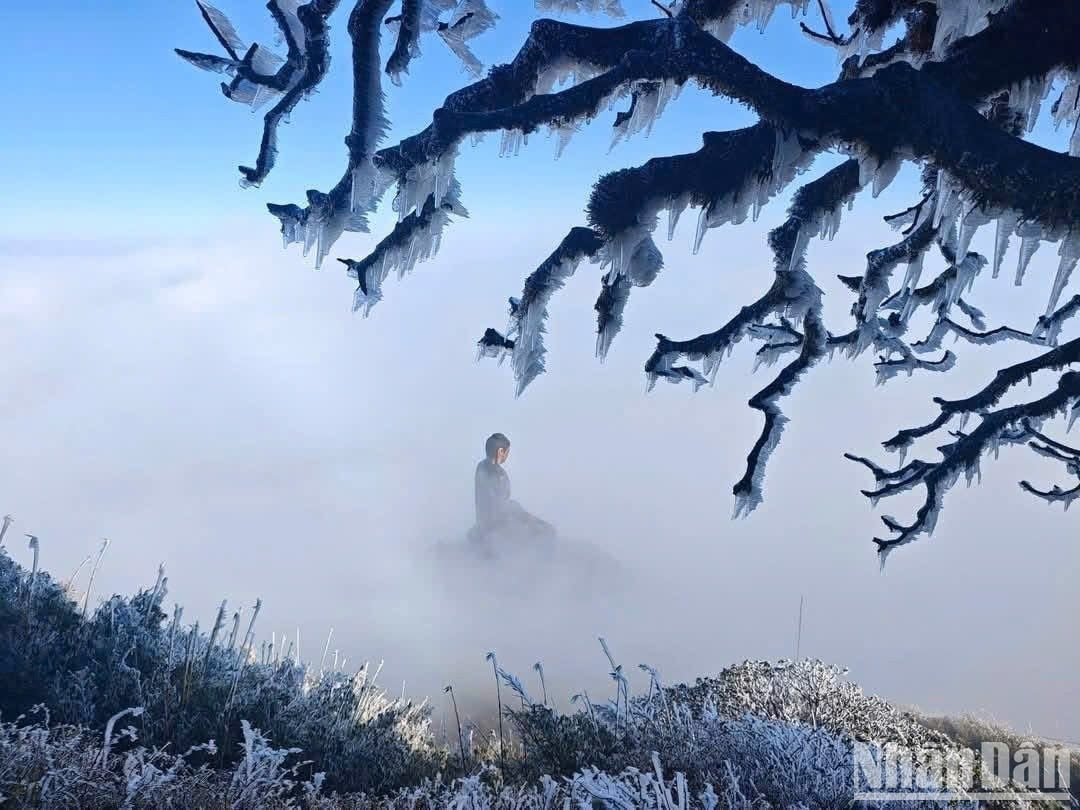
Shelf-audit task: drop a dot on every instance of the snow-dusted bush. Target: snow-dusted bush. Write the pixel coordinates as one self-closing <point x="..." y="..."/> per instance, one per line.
<point x="758" y="734"/>
<point x="808" y="692"/>
<point x="193" y="687"/>
<point x="48" y="766"/>
<point x="131" y="710"/>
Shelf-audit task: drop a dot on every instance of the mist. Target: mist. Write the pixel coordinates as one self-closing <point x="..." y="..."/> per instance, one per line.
<point x="214" y="406"/>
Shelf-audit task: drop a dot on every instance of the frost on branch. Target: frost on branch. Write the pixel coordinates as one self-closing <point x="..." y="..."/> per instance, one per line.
<point x="956" y="94"/>
<point x="998" y="427"/>
<point x="1063" y="453"/>
<point x="414" y="239"/>
<point x="611" y="7"/>
<point x="525" y="334"/>
<point x="792" y="299"/>
<point x="259" y="75"/>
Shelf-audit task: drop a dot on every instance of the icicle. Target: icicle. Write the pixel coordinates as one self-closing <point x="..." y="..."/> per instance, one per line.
<point x="1066" y="110"/>
<point x="648" y="101"/>
<point x="911" y="281"/>
<point x="1069" y="251"/>
<point x="702" y="225"/>
<point x="787" y="155"/>
<point x="798" y="249"/>
<point x="431" y="179"/>
<point x="1027" y="98"/>
<point x="958" y="19"/>
<point x="563" y="135"/>
<point x="970" y="224"/>
<point x="1030" y="237"/>
<point x="1006" y="224"/>
<point x="511" y="142"/>
<point x="675" y="210"/>
<point x="884" y="174"/>
<point x="830" y="223"/>
<point x="645" y="263"/>
<point x="943" y="192"/>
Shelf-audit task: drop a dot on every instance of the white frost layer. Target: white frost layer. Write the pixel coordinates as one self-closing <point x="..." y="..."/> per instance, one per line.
<point x="651" y="99"/>
<point x="1067" y="110"/>
<point x="403" y="258"/>
<point x="611" y="7"/>
<point x="527" y="327"/>
<point x="432" y="179"/>
<point x="789" y="159"/>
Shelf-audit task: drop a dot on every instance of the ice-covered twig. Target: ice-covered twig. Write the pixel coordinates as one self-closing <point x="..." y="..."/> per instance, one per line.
<point x="408" y="38"/>
<point x="881" y="474"/>
<point x="880" y="264"/>
<point x="748" y="490"/>
<point x="304" y="29"/>
<point x="925" y="100"/>
<point x="1052" y="360"/>
<point x="525" y="335"/>
<point x="516" y="686"/>
<point x="414" y="239"/>
<point x="1009" y="425"/>
<point x="888" y="366"/>
<point x="1050" y="326"/>
<point x="344" y="207"/>
<point x="793" y="296"/>
<point x="494" y="344"/>
<point x="910" y="217"/>
<point x="947" y="325"/>
<point x="1070" y="456"/>
<point x="830" y="35"/>
<point x="93" y="573"/>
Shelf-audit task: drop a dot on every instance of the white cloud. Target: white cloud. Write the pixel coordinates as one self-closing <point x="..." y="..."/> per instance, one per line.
<point x="215" y="405"/>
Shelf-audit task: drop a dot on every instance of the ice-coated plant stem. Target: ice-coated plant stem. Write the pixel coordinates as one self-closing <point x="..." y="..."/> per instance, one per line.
<point x="135" y="711"/>
<point x="498" y="697"/>
<point x="93" y="573"/>
<point x="71" y="580"/>
<point x="34" y="546"/>
<point x="235" y="629"/>
<point x="457" y="719"/>
<point x="4" y="525"/>
<point x="218" y="622"/>
<point x="326" y="650"/>
<point x="621" y="690"/>
<point x="539" y="667"/>
<point x="189" y="657"/>
<point x="248" y="640"/>
<point x="154" y="593"/>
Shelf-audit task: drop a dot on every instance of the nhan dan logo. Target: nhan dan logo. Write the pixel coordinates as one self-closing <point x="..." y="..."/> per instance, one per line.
<point x="893" y="772"/>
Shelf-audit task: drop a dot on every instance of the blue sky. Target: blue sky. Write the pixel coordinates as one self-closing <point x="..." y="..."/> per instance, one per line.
<point x="113" y="129"/>
<point x="179" y="383"/>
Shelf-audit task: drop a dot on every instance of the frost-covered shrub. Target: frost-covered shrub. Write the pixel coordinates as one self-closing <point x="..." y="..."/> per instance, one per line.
<point x="193" y="687"/>
<point x="145" y="712"/>
<point x="758" y="734"/>
<point x="809" y="692"/>
<point x="47" y="766"/>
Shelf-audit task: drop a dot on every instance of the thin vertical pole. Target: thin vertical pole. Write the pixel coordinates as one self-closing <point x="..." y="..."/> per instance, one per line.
<point x="798" y="636"/>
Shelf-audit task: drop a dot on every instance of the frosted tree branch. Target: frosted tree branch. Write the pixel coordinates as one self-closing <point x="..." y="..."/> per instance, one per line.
<point x="1010" y="425"/>
<point x="304" y="30"/>
<point x="956" y="94"/>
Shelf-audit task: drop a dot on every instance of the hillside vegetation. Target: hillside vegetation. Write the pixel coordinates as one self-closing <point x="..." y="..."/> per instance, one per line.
<point x="128" y="706"/>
